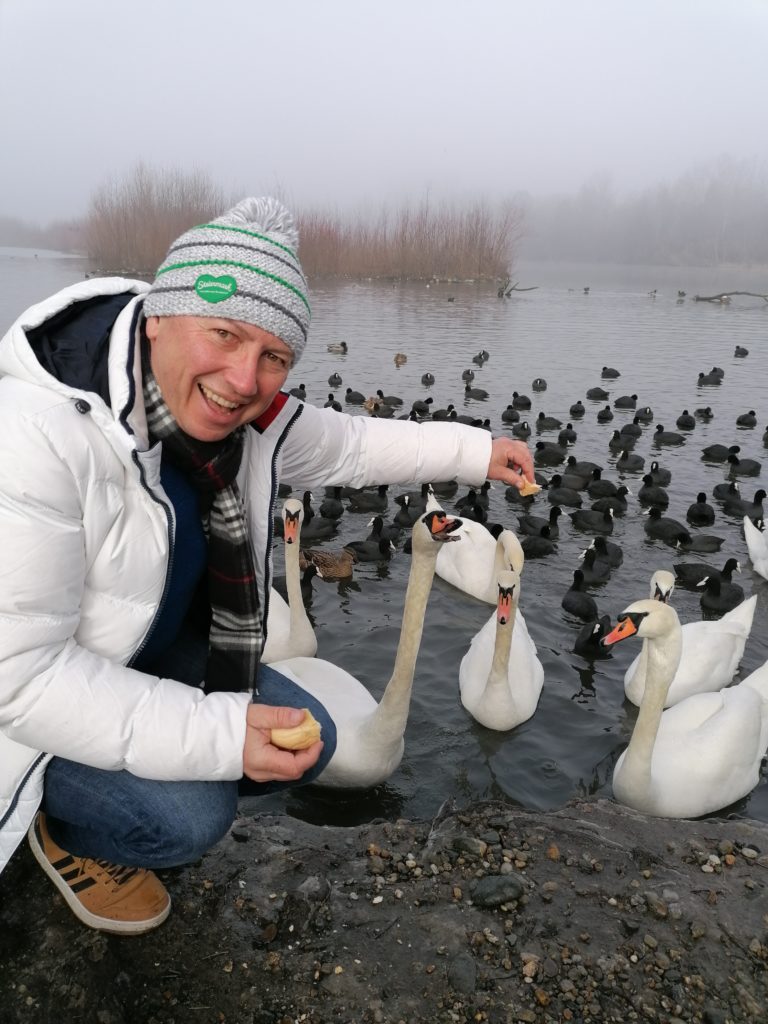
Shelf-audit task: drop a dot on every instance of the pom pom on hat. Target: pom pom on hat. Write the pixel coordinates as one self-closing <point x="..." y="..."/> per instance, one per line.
<point x="242" y="266"/>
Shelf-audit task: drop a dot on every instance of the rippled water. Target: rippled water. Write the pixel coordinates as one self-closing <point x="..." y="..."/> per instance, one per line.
<point x="557" y="332"/>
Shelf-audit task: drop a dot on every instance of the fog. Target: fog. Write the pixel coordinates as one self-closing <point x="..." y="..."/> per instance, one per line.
<point x="352" y="105"/>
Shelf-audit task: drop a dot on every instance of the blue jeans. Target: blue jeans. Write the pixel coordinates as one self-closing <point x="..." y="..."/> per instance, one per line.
<point x="119" y="817"/>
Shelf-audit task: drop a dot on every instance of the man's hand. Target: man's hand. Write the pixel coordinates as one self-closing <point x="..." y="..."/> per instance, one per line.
<point x="264" y="762"/>
<point x="511" y="462"/>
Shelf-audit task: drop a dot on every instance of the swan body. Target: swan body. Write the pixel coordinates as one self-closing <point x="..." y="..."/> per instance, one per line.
<point x="710" y="654"/>
<point x="500" y="676"/>
<point x="757" y="546"/>
<point x="289" y="631"/>
<point x="370" y="734"/>
<point x="473" y="566"/>
<point x="704" y="753"/>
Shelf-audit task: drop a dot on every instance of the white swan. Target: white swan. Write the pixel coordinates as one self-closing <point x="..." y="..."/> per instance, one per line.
<point x="711" y="650"/>
<point x="289" y="631"/>
<point x="474" y="565"/>
<point x="369" y="735"/>
<point x="705" y="752"/>
<point x="757" y="546"/>
<point x="500" y="676"/>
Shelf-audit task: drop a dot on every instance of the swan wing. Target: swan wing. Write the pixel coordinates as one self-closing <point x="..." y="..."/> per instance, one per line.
<point x="468" y="565"/>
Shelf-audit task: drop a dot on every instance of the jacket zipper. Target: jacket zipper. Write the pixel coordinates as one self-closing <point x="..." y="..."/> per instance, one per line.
<point x="20" y="788"/>
<point x="271" y="515"/>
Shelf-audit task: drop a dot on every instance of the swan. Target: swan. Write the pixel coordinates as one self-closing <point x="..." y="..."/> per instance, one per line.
<point x="704" y="753"/>
<point x="369" y="735"/>
<point x="500" y="676"/>
<point x="289" y="631"/>
<point x="757" y="546"/>
<point x="473" y="566"/>
<point x="710" y="652"/>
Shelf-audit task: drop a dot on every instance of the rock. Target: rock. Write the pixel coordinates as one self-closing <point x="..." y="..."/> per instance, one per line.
<point x="462" y="974"/>
<point x="494" y="890"/>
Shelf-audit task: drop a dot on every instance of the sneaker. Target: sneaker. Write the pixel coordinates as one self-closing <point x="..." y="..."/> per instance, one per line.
<point x="110" y="897"/>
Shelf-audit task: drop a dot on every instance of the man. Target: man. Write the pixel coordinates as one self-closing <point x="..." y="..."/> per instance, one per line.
<point x="145" y="432"/>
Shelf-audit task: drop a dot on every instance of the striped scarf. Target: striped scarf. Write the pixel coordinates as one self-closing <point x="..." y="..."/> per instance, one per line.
<point x="234" y="640"/>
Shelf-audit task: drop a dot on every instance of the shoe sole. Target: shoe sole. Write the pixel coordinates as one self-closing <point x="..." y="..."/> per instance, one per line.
<point x="102" y="924"/>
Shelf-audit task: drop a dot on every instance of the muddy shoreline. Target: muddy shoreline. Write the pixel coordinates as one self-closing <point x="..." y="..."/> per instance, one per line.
<point x="487" y="913"/>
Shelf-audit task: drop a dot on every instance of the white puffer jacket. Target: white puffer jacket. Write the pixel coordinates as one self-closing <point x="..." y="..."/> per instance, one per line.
<point x="86" y="534"/>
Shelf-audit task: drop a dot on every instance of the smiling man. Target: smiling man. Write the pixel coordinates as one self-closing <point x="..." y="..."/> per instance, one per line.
<point x="145" y="431"/>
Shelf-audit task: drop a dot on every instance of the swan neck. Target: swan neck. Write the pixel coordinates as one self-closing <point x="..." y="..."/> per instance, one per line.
<point x="293" y="582"/>
<point x="392" y="712"/>
<point x="663" y="657"/>
<point x="498" y="674"/>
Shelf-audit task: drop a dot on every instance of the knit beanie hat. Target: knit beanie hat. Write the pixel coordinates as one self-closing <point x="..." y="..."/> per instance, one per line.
<point x="242" y="266"/>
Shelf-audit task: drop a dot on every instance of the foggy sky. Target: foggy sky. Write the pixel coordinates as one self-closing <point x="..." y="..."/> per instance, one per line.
<point x="347" y="103"/>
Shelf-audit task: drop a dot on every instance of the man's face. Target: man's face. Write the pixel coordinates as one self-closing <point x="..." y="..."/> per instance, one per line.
<point x="215" y="374"/>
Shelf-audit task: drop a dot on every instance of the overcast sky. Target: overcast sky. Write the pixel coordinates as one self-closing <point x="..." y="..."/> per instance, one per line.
<point x="350" y="103"/>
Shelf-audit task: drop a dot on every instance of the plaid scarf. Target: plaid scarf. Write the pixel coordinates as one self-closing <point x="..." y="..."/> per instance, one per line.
<point x="234" y="640"/>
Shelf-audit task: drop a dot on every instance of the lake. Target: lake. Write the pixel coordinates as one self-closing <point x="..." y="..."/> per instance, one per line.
<point x="633" y="319"/>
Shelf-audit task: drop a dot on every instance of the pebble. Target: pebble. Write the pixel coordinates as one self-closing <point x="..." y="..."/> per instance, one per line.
<point x="494" y="890"/>
<point x="462" y="973"/>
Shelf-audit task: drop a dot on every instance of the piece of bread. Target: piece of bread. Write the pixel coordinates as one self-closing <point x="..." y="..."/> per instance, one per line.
<point x="299" y="737"/>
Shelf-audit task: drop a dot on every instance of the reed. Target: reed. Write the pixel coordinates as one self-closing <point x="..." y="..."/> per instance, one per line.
<point x="131" y="223"/>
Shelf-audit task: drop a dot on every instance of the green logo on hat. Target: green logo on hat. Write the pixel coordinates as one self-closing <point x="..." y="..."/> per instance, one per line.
<point x="215" y="289"/>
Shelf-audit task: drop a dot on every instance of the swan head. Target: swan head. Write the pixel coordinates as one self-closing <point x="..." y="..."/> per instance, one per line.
<point x="645" y="619"/>
<point x="435" y="527"/>
<point x="293" y="516"/>
<point x="509" y="594"/>
<point x="511" y="550"/>
<point x="662" y="585"/>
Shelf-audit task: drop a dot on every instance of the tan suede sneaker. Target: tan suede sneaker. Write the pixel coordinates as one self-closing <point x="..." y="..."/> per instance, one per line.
<point x="110" y="897"/>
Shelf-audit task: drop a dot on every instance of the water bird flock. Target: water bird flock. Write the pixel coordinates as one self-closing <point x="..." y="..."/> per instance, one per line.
<point x="501" y="669"/>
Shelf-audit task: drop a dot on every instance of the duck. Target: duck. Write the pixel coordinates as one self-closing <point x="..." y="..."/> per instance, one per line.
<point x="468" y="374"/>
<point x="548" y="454"/>
<point x="700" y="513"/>
<point x="400" y="359"/>
<point x="447" y="413"/>
<point x="370" y="501"/>
<point x="628" y="462"/>
<point x="616" y="502"/>
<point x="472" y="392"/>
<point x="407" y="513"/>
<point x="726" y="490"/>
<point x="659" y="475"/>
<point x="631" y="431"/>
<point x="605" y="415"/>
<point x="289" y="631"/>
<point x="740" y="352"/>
<point x="578" y="409"/>
<point x="576" y="602"/>
<point x="520" y="401"/>
<point x="384" y="531"/>
<point x="332" y="403"/>
<point x="340" y="348"/>
<point x="747" y="419"/>
<point x="597" y="394"/>
<point x="427" y="379"/>
<point x="690" y="574"/>
<point x="593" y="568"/>
<point x="539" y="545"/>
<point x="625" y="402"/>
<point x="704" y="412"/>
<point x="370" y="734"/>
<point x="371" y="550"/>
<point x="544" y="422"/>
<point x="704" y="753"/>
<point x="352" y="397"/>
<point x="708" y="379"/>
<point x="522" y="429"/>
<point x="685" y="421"/>
<point x="592" y="521"/>
<point x="661" y="527"/>
<point x="473" y="566"/>
<point x="315" y="527"/>
<point x="589" y="644"/>
<point x="719" y="596"/>
<point x="393" y="400"/>
<point x="619" y="442"/>
<point x="743" y="467"/>
<point x="567" y="435"/>
<point x="644" y="415"/>
<point x="299" y="392"/>
<point x="381" y="411"/>
<point x="652" y="494"/>
<point x="510" y="415"/>
<point x="558" y="494"/>
<point x="757" y="546"/>
<point x="662" y="436"/>
<point x="609" y="372"/>
<point x="702" y="543"/>
<point x="719" y="452"/>
<point x="332" y="507"/>
<point x="597" y="487"/>
<point x="710" y="654"/>
<point x="532" y="525"/>
<point x="742" y="507"/>
<point x="539" y="384"/>
<point x="335" y="380"/>
<point x="501" y="676"/>
<point x="608" y="550"/>
<point x="330" y="565"/>
<point x="421" y="406"/>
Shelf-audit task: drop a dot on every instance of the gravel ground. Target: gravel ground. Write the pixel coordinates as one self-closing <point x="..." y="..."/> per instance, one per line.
<point x="488" y="913"/>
